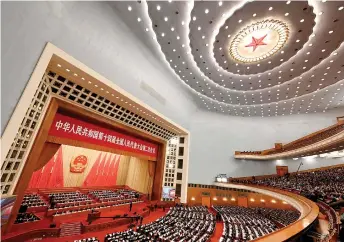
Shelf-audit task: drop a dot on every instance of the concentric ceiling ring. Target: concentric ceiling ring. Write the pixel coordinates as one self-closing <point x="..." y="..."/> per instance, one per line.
<point x="302" y="77"/>
<point x="268" y="37"/>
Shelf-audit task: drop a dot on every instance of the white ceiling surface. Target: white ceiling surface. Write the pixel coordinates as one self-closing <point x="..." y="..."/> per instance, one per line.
<point x="192" y="38"/>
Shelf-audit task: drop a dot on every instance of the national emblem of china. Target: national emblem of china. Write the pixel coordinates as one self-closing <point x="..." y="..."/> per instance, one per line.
<point x="79" y="164"/>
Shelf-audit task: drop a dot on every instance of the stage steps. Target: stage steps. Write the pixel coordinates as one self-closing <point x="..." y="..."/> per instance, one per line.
<point x="69" y="229"/>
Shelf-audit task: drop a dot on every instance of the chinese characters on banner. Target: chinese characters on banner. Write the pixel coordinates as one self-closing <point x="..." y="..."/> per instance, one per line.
<point x="71" y="128"/>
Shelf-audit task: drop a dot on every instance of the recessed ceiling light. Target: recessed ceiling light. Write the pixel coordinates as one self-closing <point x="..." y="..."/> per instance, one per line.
<point x="308" y="53"/>
<point x="147" y="29"/>
<point x="194" y="18"/>
<point x="297" y="41"/>
<point x="129" y="8"/>
<point x="182" y="22"/>
<point x="178" y="37"/>
<point x="220" y="3"/>
<point x="330" y="32"/>
<point x="199" y="28"/>
<point x="302" y="20"/>
<point x="340" y="8"/>
<point x="286" y="14"/>
<point x="240" y="20"/>
<point x="162" y="34"/>
<point x="166" y="19"/>
<point x="288" y="2"/>
<point x="254" y="15"/>
<point x="203" y="37"/>
<point x="206" y="11"/>
<point x="320" y="13"/>
<point x="323" y="50"/>
<point x="310" y="44"/>
<point x="138" y="20"/>
<point x="158" y="7"/>
<point x="172" y="29"/>
<point x="270" y="8"/>
<point x="324" y="1"/>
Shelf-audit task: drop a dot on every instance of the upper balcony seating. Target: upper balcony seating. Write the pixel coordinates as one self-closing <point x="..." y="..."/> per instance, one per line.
<point x="299" y="143"/>
<point x="325" y="185"/>
<point x="179" y="224"/>
<point x="243" y="224"/>
<point x="312" y="139"/>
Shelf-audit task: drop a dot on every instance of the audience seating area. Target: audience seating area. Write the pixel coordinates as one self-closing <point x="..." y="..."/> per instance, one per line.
<point x="64" y="198"/>
<point x="26" y="217"/>
<point x="324" y="185"/>
<point x="74" y="201"/>
<point x="299" y="143"/>
<point x="243" y="224"/>
<point x="113" y="195"/>
<point x="33" y="200"/>
<point x="179" y="224"/>
<point x="93" y="239"/>
<point x="310" y="139"/>
<point x="97" y="199"/>
<point x="284" y="217"/>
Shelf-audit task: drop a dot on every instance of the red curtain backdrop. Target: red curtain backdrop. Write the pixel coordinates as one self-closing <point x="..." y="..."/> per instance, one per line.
<point x="102" y="173"/>
<point x="112" y="177"/>
<point x="92" y="175"/>
<point x="50" y="175"/>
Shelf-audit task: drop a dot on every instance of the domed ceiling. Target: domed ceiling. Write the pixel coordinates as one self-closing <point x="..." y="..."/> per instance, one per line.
<point x="248" y="58"/>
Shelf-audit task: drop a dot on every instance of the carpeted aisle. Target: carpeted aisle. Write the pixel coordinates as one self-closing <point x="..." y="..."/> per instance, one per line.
<point x="218" y="232"/>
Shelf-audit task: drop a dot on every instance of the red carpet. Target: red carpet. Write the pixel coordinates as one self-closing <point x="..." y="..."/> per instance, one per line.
<point x="101" y="234"/>
<point x="218" y="232"/>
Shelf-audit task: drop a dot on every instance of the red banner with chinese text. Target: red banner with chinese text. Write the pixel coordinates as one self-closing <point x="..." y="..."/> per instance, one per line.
<point x="71" y="128"/>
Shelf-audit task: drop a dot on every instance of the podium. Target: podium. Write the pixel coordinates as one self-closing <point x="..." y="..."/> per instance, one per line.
<point x="94" y="215"/>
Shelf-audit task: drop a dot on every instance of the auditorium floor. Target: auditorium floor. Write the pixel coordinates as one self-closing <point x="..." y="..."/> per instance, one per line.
<point x="101" y="234"/>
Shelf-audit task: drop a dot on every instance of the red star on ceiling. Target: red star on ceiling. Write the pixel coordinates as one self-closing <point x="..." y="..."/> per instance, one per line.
<point x="256" y="42"/>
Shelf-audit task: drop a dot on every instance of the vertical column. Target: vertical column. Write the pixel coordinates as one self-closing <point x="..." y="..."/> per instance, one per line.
<point x="176" y="166"/>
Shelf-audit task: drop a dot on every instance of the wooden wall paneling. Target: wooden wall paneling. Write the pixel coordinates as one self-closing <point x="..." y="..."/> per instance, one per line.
<point x="123" y="170"/>
<point x="48" y="152"/>
<point x="230" y="197"/>
<point x="206" y="201"/>
<point x="242" y="201"/>
<point x="159" y="172"/>
<point x="138" y="175"/>
<point x="32" y="160"/>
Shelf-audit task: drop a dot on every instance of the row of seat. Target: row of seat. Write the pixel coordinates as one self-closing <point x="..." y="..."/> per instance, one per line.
<point x="282" y="216"/>
<point x="243" y="224"/>
<point x="25" y="217"/>
<point x="325" y="185"/>
<point x="33" y="200"/>
<point x="179" y="224"/>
